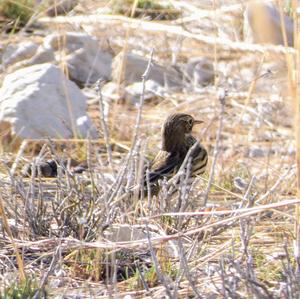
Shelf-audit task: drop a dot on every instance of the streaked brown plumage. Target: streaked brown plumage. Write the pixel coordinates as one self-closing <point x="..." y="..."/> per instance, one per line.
<point x="176" y="142"/>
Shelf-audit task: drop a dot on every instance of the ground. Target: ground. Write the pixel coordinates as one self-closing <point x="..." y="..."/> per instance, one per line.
<point x="234" y="234"/>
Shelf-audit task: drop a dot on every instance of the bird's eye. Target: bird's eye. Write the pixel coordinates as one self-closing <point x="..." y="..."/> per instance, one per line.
<point x="190" y="121"/>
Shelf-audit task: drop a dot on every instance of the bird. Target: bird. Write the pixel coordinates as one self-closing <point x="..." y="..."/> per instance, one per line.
<point x="177" y="140"/>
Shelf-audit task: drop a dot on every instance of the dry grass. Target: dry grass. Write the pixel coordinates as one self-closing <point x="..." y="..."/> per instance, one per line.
<point x="239" y="245"/>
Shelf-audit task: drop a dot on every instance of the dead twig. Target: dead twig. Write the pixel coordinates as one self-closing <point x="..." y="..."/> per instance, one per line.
<point x="222" y="97"/>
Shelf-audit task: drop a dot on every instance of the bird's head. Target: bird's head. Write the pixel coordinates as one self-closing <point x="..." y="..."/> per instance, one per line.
<point x="175" y="129"/>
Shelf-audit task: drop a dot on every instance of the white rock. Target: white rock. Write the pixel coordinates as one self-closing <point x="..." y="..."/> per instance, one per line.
<point x="262" y="24"/>
<point x="39" y="102"/>
<point x="85" y="60"/>
<point x="111" y="91"/>
<point x="135" y="66"/>
<point x="134" y="91"/>
<point x="18" y="52"/>
<point x="125" y="233"/>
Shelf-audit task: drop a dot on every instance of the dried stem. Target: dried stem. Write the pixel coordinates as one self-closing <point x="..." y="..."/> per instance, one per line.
<point x="47" y="274"/>
<point x="222" y="97"/>
<point x="104" y="126"/>
<point x="159" y="273"/>
<point x="20" y="261"/>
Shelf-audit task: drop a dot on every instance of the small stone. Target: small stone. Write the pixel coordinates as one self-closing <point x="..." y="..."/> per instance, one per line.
<point x="45" y="169"/>
<point x="259" y="152"/>
<point x="18" y="52"/>
<point x="80" y="169"/>
<point x="200" y="71"/>
<point x="111" y="91"/>
<point x="240" y="183"/>
<point x="134" y="91"/>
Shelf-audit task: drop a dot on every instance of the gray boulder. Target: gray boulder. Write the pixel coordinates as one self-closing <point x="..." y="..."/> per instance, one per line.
<point x="135" y="66"/>
<point x="86" y="66"/>
<point x="40" y="102"/>
<point x="85" y="60"/>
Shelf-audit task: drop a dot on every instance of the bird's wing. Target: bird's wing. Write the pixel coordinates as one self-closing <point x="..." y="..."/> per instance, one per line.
<point x="164" y="165"/>
<point x="199" y="156"/>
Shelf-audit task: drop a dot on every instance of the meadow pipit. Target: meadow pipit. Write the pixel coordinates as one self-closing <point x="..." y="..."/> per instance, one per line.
<point x="176" y="142"/>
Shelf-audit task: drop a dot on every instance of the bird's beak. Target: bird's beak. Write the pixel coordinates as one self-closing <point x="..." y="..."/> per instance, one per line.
<point x="197" y="122"/>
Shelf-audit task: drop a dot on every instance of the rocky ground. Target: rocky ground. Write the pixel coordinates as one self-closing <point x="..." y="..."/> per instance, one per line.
<point x="72" y="92"/>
